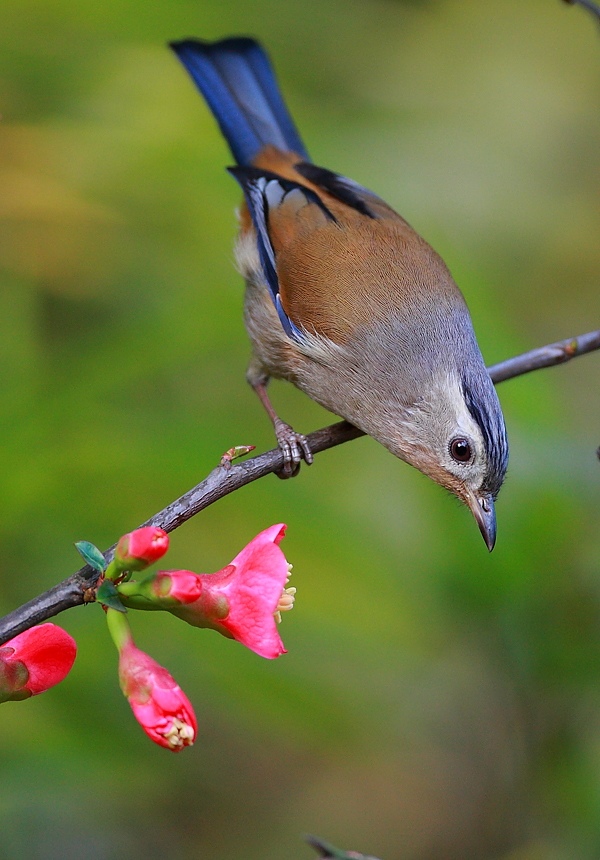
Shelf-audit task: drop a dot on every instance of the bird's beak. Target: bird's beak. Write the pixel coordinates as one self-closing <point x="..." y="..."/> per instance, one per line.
<point x="482" y="508"/>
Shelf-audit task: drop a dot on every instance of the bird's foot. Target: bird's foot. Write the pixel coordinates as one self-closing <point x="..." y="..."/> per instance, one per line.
<point x="294" y="447"/>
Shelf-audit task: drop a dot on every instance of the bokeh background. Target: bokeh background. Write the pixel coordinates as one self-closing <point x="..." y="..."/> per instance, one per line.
<point x="436" y="703"/>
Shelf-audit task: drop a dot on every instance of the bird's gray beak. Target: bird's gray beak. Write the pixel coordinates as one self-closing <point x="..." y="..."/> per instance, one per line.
<point x="482" y="508"/>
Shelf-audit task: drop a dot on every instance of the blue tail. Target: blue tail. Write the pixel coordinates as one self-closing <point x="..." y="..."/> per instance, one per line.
<point x="237" y="80"/>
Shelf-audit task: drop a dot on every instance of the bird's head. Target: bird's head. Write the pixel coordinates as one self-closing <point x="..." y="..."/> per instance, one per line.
<point x="416" y="382"/>
<point x="456" y="435"/>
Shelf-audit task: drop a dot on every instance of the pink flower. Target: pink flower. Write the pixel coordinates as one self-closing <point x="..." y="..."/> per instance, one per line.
<point x="141" y="548"/>
<point x="241" y="600"/>
<point x="34" y="661"/>
<point x="159" y="704"/>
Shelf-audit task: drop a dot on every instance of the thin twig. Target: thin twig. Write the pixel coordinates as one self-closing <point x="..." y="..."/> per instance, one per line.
<point x="78" y="588"/>
<point x="587" y="4"/>
<point x="545" y="356"/>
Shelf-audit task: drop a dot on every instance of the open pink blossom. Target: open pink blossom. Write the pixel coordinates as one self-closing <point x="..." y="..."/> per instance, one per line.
<point x="239" y="601"/>
<point x="34" y="661"/>
<point x="159" y="704"/>
<point x="141" y="548"/>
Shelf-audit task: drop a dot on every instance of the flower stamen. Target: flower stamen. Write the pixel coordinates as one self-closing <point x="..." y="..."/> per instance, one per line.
<point x="286" y="602"/>
<point x="179" y="735"/>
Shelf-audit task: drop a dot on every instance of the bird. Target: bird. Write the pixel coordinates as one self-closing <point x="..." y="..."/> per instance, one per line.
<point x="344" y="299"/>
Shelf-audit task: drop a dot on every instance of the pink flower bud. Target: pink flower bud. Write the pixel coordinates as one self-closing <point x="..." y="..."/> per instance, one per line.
<point x="158" y="703"/>
<point x="177" y="586"/>
<point x="141" y="548"/>
<point x="239" y="601"/>
<point x="34" y="661"/>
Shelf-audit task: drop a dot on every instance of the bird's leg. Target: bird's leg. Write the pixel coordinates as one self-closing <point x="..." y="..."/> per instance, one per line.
<point x="294" y="446"/>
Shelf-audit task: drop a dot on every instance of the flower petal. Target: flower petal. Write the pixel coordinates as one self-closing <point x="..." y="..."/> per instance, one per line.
<point x="157" y="701"/>
<point x="48" y="652"/>
<point x="253" y="591"/>
<point x="140" y="548"/>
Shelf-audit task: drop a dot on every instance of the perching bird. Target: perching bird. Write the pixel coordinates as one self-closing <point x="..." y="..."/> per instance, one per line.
<point x="345" y="299"/>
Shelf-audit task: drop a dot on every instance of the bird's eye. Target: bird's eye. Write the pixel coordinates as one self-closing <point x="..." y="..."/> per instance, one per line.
<point x="460" y="450"/>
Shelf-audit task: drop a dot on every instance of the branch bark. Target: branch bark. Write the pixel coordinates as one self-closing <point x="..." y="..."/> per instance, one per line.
<point x="78" y="588"/>
<point x="545" y="356"/>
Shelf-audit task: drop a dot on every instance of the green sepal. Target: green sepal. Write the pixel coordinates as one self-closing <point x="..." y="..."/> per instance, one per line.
<point x="91" y="555"/>
<point x="108" y="596"/>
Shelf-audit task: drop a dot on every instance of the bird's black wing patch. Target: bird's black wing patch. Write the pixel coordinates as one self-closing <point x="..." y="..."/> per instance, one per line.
<point x="345" y="190"/>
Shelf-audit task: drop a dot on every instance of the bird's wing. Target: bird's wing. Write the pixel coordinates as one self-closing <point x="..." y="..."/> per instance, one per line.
<point x="334" y="255"/>
<point x="279" y="209"/>
<point x="346" y="191"/>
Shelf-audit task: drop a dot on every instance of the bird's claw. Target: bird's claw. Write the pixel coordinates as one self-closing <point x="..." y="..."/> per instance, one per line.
<point x="294" y="447"/>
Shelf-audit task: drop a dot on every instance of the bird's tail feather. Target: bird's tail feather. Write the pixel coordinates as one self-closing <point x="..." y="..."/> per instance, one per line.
<point x="237" y="80"/>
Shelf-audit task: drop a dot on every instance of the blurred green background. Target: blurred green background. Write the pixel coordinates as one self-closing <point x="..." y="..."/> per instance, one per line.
<point x="436" y="703"/>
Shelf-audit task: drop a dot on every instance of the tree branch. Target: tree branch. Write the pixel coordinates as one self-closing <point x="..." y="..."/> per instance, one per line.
<point x="78" y="588"/>
<point x="545" y="356"/>
<point x="592" y="7"/>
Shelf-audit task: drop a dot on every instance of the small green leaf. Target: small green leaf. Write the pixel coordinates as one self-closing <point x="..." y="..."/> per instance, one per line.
<point x="108" y="596"/>
<point x="91" y="555"/>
